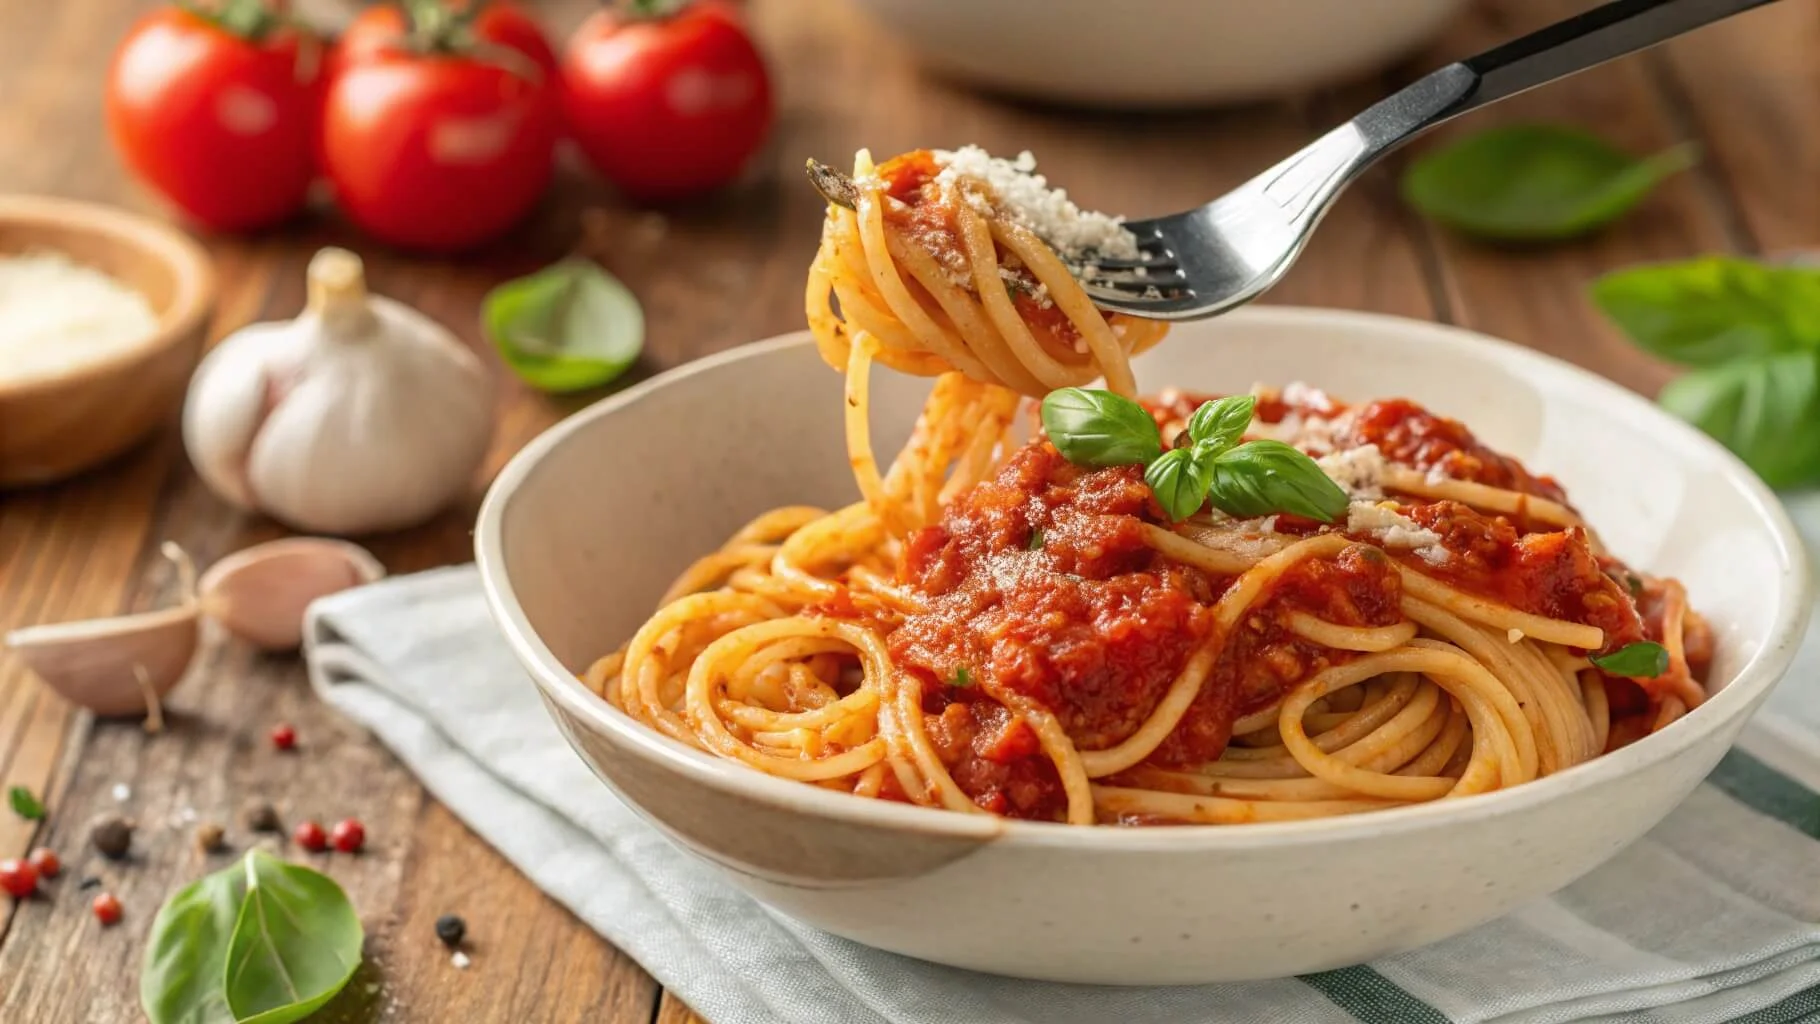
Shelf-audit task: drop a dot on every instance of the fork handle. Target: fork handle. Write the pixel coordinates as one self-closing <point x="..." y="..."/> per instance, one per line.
<point x="1608" y="31"/>
<point x="1308" y="182"/>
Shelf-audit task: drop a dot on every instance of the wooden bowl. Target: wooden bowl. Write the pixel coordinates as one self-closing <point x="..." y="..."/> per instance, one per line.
<point x="53" y="427"/>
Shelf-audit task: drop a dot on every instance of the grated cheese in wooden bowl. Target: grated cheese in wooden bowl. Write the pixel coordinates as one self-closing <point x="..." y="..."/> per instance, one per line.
<point x="57" y="315"/>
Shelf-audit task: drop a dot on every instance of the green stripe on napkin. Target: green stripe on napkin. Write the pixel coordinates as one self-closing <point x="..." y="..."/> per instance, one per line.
<point x="1371" y="997"/>
<point x="1802" y="1006"/>
<point x="1767" y="791"/>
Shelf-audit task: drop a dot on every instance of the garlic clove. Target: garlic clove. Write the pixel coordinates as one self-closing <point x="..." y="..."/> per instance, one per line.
<point x="259" y="594"/>
<point x="93" y="663"/>
<point x="109" y="665"/>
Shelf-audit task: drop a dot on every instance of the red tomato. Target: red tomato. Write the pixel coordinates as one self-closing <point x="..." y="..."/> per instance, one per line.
<point x="383" y="26"/>
<point x="438" y="152"/>
<point x="667" y="107"/>
<point x="221" y="125"/>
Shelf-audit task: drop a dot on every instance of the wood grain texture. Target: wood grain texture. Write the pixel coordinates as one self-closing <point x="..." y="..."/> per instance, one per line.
<point x="1751" y="89"/>
<point x="715" y="274"/>
<point x="1537" y="295"/>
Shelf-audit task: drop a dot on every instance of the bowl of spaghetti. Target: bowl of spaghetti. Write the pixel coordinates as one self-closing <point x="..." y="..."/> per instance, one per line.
<point x="978" y="626"/>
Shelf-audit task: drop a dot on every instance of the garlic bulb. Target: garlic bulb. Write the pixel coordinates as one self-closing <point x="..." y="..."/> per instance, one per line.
<point x="360" y="415"/>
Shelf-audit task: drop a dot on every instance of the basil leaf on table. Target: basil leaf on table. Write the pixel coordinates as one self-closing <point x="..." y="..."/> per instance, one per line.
<point x="1751" y="332"/>
<point x="566" y="327"/>
<point x="1766" y="409"/>
<point x="1261" y="478"/>
<point x="1179" y="480"/>
<point x="1642" y="660"/>
<point x="24" y="804"/>
<point x="1704" y="311"/>
<point x="186" y="958"/>
<point x="1220" y="424"/>
<point x="297" y="942"/>
<point x="1100" y="428"/>
<point x="1534" y="182"/>
<point x="261" y="942"/>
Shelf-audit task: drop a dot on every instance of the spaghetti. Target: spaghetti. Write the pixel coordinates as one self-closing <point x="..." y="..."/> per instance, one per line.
<point x="994" y="629"/>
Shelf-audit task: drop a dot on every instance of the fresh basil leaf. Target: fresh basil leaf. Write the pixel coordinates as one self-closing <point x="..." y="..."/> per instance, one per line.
<point x="1220" y="424"/>
<point x="186" y="956"/>
<point x="566" y="327"/>
<point x="1705" y="311"/>
<point x="1641" y="660"/>
<point x="1534" y="182"/>
<point x="1260" y="478"/>
<point x="1098" y="428"/>
<point x="1766" y="409"/>
<point x="1035" y="543"/>
<point x="25" y="805"/>
<point x="1179" y="480"/>
<point x="261" y="942"/>
<point x="962" y="677"/>
<point x="296" y="943"/>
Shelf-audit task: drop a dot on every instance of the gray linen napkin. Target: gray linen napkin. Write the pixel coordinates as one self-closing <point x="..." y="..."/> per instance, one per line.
<point x="1715" y="916"/>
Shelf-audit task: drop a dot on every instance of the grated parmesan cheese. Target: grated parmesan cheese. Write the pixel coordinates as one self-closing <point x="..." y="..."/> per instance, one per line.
<point x="1037" y="290"/>
<point x="1314" y="434"/>
<point x="1359" y="471"/>
<point x="1391" y="527"/>
<point x="1514" y="635"/>
<point x="57" y="314"/>
<point x="1014" y="189"/>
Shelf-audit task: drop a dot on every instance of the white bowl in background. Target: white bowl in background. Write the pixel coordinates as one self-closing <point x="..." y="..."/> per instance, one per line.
<point x="589" y="523"/>
<point x="1157" y="53"/>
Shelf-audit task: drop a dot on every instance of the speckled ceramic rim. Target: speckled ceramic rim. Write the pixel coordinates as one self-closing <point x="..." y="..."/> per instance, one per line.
<point x="1751" y="683"/>
<point x="191" y="299"/>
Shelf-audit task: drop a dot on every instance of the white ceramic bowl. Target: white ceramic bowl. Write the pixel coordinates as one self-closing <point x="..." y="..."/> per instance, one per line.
<point x="585" y="527"/>
<point x="1157" y="53"/>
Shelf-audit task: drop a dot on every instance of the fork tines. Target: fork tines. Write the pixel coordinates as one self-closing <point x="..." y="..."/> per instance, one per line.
<point x="1154" y="275"/>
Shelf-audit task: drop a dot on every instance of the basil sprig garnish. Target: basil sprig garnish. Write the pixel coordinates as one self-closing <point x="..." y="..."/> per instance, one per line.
<point x="1099" y="428"/>
<point x="1243" y="478"/>
<point x="1265" y="477"/>
<point x="1644" y="659"/>
<point x="1749" y="334"/>
<point x="1179" y="480"/>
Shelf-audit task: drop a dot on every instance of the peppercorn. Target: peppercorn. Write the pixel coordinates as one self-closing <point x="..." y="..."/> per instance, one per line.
<point x="451" y="930"/>
<point x="107" y="908"/>
<point x="89" y="882"/>
<point x="112" y="836"/>
<point x="46" y="861"/>
<point x="310" y="836"/>
<point x="349" y="835"/>
<point x="209" y="837"/>
<point x="283" y="736"/>
<point x="263" y="818"/>
<point x="18" y="878"/>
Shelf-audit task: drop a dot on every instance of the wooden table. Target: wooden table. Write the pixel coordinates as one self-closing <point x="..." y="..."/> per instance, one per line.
<point x="716" y="274"/>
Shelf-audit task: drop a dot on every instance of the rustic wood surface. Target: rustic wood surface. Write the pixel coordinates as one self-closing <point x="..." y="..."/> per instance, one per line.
<point x="713" y="275"/>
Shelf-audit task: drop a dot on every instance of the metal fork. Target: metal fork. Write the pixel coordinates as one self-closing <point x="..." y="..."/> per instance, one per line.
<point x="1205" y="261"/>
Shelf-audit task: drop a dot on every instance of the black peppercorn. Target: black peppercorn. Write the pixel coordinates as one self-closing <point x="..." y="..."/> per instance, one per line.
<point x="451" y="929"/>
<point x="209" y="837"/>
<point x="112" y="836"/>
<point x="263" y="818"/>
